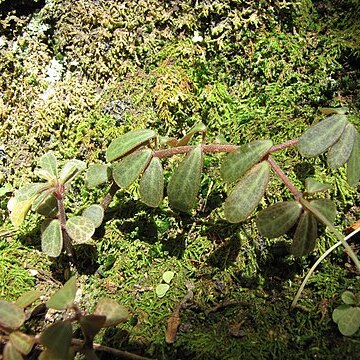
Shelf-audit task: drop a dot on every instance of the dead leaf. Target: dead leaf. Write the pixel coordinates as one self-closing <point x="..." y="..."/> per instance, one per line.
<point x="172" y="326"/>
<point x="236" y="330"/>
<point x="353" y="227"/>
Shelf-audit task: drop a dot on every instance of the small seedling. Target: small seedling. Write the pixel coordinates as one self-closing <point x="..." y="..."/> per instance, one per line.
<point x="162" y="289"/>
<point x="347" y="315"/>
<point x="47" y="199"/>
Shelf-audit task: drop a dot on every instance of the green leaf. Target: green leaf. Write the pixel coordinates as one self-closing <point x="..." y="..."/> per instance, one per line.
<point x="114" y="312"/>
<point x="184" y="183"/>
<point x="95" y="213"/>
<point x="28" y="298"/>
<point x="44" y="175"/>
<point x="80" y="229"/>
<point x="340" y="152"/>
<point x="20" y="204"/>
<point x="29" y="191"/>
<point x="278" y="219"/>
<point x="221" y="139"/>
<point x="152" y="184"/>
<point x="349" y="298"/>
<point x="70" y="170"/>
<point x="10" y="352"/>
<point x="22" y="342"/>
<point x="353" y="164"/>
<point x="168" y="276"/>
<point x="92" y="324"/>
<point x="200" y="127"/>
<point x="64" y="297"/>
<point x="127" y="142"/>
<point x="161" y="290"/>
<point x="51" y="237"/>
<point x="57" y="339"/>
<point x="339" y="312"/>
<point x="349" y="322"/>
<point x="237" y="163"/>
<point x="7" y="188"/>
<point x="318" y="138"/>
<point x="11" y="316"/>
<point x="130" y="167"/>
<point x="46" y="205"/>
<point x="326" y="206"/>
<point x="48" y="163"/>
<point x="97" y="174"/>
<point x="328" y="111"/>
<point x="313" y="186"/>
<point x="19" y="209"/>
<point x="305" y="235"/>
<point x="247" y="193"/>
<point x="166" y="140"/>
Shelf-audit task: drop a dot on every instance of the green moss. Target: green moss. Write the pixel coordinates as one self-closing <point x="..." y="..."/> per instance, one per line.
<point x="260" y="71"/>
<point x="15" y="279"/>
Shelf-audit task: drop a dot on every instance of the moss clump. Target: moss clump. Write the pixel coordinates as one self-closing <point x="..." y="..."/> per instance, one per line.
<point x="75" y="75"/>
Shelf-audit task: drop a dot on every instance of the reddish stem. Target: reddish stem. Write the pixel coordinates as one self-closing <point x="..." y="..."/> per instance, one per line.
<point x="283" y="146"/>
<point x="284" y="178"/>
<point x="59" y="194"/>
<point x="216" y="148"/>
<point x="211" y="149"/>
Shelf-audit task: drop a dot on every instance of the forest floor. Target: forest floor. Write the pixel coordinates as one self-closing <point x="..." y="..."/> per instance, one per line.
<point x="77" y="74"/>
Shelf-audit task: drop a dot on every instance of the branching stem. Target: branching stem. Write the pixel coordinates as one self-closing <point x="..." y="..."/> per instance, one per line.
<point x="306" y="204"/>
<point x="211" y="148"/>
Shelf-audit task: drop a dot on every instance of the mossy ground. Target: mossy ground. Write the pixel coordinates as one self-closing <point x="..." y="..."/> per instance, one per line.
<point x="77" y="74"/>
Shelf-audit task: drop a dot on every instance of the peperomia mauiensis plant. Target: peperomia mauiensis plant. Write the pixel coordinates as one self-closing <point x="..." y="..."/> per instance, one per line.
<point x="47" y="199"/>
<point x="56" y="341"/>
<point x="246" y="169"/>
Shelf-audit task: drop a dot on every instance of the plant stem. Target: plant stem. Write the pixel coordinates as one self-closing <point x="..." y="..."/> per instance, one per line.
<point x="306" y="204"/>
<point x="287" y="144"/>
<point x="62" y="218"/>
<point x="216" y="148"/>
<point x="333" y="229"/>
<point x="208" y="149"/>
<point x="118" y="353"/>
<point x="185" y="149"/>
<point x="109" y="196"/>
<point x="297" y="194"/>
<point x="318" y="261"/>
